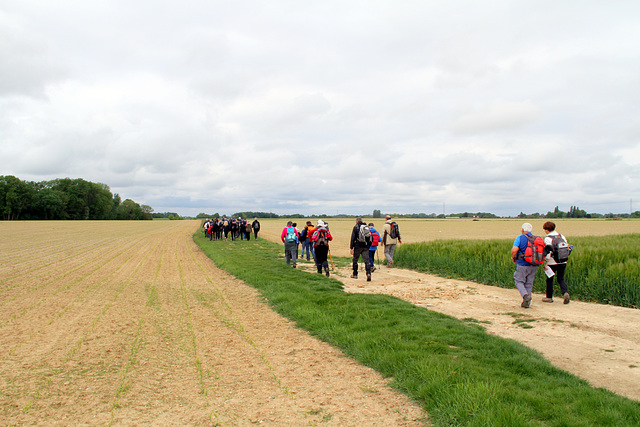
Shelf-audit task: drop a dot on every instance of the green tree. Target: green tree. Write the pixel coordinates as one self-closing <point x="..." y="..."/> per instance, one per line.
<point x="16" y="197"/>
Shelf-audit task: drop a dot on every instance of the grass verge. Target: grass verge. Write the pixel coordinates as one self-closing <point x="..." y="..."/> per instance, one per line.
<point x="460" y="374"/>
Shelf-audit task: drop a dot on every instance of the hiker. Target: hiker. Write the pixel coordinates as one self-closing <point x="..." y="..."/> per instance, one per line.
<point x="256" y="227"/>
<point x="308" y="244"/>
<point x="390" y="238"/>
<point x="225" y="227"/>
<point x="359" y="245"/>
<point x="212" y="226"/>
<point x="375" y="236"/>
<point x="241" y="227"/>
<point x="290" y="239"/>
<point x="558" y="265"/>
<point x="233" y="228"/>
<point x="206" y="226"/>
<point x="247" y="230"/>
<point x="295" y="226"/>
<point x="320" y="239"/>
<point x="525" y="272"/>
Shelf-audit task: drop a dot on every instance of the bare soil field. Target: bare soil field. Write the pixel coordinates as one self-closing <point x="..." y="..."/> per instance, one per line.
<point x="599" y="343"/>
<point x="128" y="323"/>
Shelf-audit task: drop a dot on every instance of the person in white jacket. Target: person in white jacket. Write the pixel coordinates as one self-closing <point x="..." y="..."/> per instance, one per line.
<point x="557" y="267"/>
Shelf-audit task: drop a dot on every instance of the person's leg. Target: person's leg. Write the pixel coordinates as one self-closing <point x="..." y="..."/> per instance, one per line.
<point x="530" y="277"/>
<point x="354" y="262"/>
<point x="560" y="270"/>
<point x="549" y="290"/>
<point x="519" y="279"/>
<point x="564" y="289"/>
<point x="367" y="266"/>
<point x="387" y="254"/>
<point x="321" y="258"/>
<point x="372" y="259"/>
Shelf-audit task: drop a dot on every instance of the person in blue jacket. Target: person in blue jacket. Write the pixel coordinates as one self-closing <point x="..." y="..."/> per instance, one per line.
<point x="374" y="246"/>
<point x="525" y="272"/>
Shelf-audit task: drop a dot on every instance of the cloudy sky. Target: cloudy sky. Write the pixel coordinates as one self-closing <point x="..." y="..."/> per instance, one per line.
<point x="327" y="106"/>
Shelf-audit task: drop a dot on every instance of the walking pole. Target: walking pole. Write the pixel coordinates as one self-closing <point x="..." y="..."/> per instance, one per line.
<point x="331" y="258"/>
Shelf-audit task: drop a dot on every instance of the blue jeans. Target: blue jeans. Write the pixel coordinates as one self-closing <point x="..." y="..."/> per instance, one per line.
<point x="308" y="245"/>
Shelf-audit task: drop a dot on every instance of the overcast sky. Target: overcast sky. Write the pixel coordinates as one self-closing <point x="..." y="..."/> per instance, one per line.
<point x="327" y="106"/>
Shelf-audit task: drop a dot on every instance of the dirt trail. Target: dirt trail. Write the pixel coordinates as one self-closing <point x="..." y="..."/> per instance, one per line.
<point x="599" y="343"/>
<point x="146" y="330"/>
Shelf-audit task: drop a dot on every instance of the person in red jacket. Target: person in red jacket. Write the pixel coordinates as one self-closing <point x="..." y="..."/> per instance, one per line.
<point x="321" y="237"/>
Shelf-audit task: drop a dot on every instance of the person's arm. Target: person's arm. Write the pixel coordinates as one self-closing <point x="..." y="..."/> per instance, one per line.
<point x="514" y="253"/>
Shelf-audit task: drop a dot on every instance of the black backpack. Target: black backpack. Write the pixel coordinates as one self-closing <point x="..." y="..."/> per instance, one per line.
<point x="560" y="249"/>
<point x="394" y="231"/>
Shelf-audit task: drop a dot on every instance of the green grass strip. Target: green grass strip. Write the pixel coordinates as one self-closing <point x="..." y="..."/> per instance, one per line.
<point x="604" y="269"/>
<point x="460" y="374"/>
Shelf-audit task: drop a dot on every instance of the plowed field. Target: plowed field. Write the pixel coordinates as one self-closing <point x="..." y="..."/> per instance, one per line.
<point x="128" y="323"/>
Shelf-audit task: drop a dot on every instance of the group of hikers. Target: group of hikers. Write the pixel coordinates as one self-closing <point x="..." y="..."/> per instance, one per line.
<point x="364" y="242"/>
<point x="528" y="251"/>
<point x="223" y="228"/>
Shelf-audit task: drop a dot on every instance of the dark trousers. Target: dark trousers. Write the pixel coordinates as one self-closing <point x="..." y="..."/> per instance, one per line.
<point x="364" y="252"/>
<point x="559" y="277"/>
<point x="321" y="258"/>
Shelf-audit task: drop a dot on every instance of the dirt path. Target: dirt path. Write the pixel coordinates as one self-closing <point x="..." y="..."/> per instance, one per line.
<point x="126" y="324"/>
<point x="596" y="342"/>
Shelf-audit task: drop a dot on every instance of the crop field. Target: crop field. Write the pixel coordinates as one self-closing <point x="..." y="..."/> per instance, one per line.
<point x="112" y="323"/>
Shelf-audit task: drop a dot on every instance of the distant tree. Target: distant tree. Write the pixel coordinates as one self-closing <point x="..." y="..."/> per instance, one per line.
<point x="575" y="212"/>
<point x="557" y="213"/>
<point x="377" y="213"/>
<point x="129" y="210"/>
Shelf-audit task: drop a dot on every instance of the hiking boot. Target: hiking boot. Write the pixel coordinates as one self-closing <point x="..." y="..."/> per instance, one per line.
<point x="566" y="298"/>
<point x="354" y="276"/>
<point x="390" y="264"/>
<point x="326" y="272"/>
<point x="368" y="277"/>
<point x="294" y="266"/>
<point x="547" y="299"/>
<point x="526" y="301"/>
<point x="373" y="269"/>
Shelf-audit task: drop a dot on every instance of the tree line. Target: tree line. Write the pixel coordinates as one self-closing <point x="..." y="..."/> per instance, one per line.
<point x="66" y="198"/>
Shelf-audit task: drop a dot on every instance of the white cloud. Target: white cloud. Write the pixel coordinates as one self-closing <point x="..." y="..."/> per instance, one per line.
<point x="287" y="106"/>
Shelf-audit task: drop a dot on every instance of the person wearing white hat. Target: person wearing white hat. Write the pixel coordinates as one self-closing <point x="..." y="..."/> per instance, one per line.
<point x="321" y="237"/>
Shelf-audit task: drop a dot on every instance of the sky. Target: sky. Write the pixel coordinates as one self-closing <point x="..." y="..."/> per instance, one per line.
<point x="327" y="107"/>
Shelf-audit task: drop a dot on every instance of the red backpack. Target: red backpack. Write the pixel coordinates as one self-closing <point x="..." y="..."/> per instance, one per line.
<point x="376" y="238"/>
<point x="534" y="254"/>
